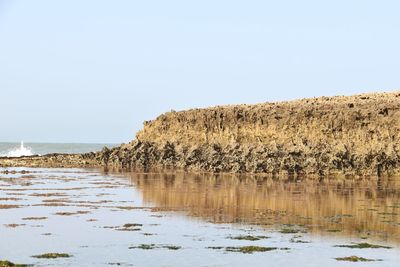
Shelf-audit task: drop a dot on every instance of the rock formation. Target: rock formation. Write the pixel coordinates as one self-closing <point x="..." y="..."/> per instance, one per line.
<point x="343" y="135"/>
<point x="52" y="161"/>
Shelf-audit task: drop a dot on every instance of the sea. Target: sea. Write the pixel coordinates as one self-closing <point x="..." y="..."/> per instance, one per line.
<point x="29" y="149"/>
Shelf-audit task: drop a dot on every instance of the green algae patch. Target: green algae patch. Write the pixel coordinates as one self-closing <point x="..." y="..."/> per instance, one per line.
<point x="248" y="237"/>
<point x="10" y="264"/>
<point x="153" y="246"/>
<point x="249" y="249"/>
<point x="52" y="256"/>
<point x="172" y="247"/>
<point x="71" y="213"/>
<point x="289" y="231"/>
<point x="361" y="246"/>
<point x="215" y="248"/>
<point x="355" y="259"/>
<point x="130" y="225"/>
<point x="144" y="246"/>
<point x="128" y="229"/>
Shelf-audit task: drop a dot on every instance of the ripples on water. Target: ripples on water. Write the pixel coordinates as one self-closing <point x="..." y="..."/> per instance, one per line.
<point x="138" y="219"/>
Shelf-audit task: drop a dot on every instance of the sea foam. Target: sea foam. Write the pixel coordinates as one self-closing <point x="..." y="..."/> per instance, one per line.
<point x="20" y="151"/>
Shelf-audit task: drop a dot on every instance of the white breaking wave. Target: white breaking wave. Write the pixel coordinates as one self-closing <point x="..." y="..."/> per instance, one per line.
<point x="20" y="151"/>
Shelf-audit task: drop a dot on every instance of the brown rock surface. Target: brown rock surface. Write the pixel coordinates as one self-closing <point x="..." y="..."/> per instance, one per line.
<point x="51" y="161"/>
<point x="355" y="135"/>
<point x="343" y="135"/>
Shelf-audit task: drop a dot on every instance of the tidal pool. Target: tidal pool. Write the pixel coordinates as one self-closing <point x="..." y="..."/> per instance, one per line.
<point x="86" y="217"/>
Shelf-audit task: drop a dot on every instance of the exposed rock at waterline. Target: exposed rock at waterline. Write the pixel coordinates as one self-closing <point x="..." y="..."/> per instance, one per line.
<point x="51" y="161"/>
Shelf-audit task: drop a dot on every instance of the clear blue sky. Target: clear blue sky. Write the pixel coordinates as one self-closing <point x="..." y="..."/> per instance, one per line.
<point x="93" y="71"/>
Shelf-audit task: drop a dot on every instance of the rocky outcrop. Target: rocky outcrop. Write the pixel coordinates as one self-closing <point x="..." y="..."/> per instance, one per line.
<point x="52" y="161"/>
<point x="344" y="135"/>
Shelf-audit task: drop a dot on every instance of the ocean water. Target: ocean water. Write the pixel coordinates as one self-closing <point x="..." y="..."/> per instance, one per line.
<point x="29" y="149"/>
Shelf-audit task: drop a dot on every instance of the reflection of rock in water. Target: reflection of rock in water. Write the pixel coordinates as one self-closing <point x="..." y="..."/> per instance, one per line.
<point x="351" y="207"/>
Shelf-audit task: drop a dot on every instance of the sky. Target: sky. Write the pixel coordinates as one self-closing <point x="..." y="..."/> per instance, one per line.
<point x="93" y="70"/>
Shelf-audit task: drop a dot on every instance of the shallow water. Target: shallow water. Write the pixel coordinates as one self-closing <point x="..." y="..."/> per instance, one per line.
<point x="193" y="220"/>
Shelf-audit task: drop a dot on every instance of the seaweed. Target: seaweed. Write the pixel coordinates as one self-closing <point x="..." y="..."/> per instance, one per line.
<point x="52" y="256"/>
<point x="361" y="246"/>
<point x="249" y="249"/>
<point x="355" y="259"/>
